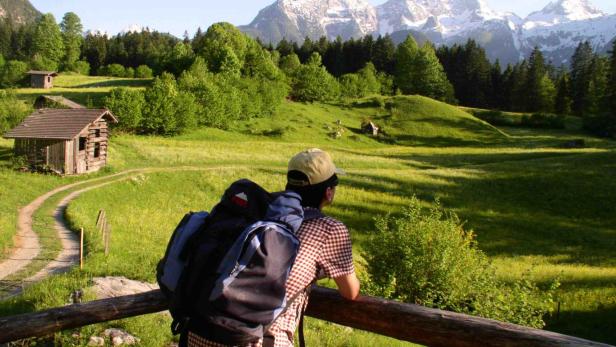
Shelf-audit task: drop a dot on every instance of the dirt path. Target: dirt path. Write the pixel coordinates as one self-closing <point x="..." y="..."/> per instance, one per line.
<point x="27" y="242"/>
<point x="27" y="246"/>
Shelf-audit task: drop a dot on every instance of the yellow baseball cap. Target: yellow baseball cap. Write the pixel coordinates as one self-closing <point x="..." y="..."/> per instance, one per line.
<point x="316" y="164"/>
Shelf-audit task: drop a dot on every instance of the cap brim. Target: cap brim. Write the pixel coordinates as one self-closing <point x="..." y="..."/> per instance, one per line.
<point x="339" y="171"/>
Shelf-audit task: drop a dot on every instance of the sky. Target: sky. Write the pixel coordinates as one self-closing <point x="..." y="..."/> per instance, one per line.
<point x="177" y="16"/>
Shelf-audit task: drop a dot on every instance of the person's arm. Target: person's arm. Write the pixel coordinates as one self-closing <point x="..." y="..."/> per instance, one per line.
<point x="348" y="286"/>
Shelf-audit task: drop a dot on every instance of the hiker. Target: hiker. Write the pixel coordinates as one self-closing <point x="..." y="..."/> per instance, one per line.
<point x="325" y="246"/>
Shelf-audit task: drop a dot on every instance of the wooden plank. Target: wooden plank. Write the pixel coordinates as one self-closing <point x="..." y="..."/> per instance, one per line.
<point x="402" y="321"/>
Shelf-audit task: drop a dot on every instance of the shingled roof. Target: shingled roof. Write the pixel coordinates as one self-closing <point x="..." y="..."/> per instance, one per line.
<point x="59" y="124"/>
<point x="59" y="100"/>
<point x="46" y="73"/>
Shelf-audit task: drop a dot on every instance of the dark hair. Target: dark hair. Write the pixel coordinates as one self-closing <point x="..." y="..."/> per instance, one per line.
<point x="312" y="195"/>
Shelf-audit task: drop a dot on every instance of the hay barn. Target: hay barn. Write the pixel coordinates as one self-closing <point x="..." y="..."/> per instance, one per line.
<point x="42" y="79"/>
<point x="66" y="141"/>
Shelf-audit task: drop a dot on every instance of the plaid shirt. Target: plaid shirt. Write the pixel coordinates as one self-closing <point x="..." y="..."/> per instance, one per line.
<point x="325" y="251"/>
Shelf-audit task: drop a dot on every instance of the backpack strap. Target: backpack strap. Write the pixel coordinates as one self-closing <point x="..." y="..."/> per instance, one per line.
<point x="311" y="213"/>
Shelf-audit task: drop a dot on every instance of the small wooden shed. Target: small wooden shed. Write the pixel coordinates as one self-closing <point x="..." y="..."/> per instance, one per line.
<point x="67" y="141"/>
<point x="55" y="101"/>
<point x="42" y="79"/>
<point x="370" y="128"/>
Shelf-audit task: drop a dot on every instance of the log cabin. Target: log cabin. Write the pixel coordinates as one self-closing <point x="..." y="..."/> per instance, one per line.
<point x="66" y="141"/>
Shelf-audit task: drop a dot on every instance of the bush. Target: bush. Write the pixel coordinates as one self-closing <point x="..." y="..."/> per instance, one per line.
<point x="496" y="118"/>
<point x="126" y="104"/>
<point x="129" y="72"/>
<point x="602" y="125"/>
<point x="13" y="73"/>
<point x="426" y="257"/>
<point x="81" y="67"/>
<point x="543" y="121"/>
<point x="114" y="70"/>
<point x="143" y="71"/>
<point x="12" y="110"/>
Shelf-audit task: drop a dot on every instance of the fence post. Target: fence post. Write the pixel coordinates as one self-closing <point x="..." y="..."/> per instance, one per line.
<point x="81" y="249"/>
<point x="107" y="237"/>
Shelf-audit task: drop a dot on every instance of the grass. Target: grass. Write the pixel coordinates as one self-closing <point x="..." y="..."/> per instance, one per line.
<point x="538" y="210"/>
<point x="86" y="90"/>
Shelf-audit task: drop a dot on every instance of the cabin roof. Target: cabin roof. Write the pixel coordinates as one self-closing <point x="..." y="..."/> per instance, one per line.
<point x="60" y="124"/>
<point x="61" y="100"/>
<point x="46" y="73"/>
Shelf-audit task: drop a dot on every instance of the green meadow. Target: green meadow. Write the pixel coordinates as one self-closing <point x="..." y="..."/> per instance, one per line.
<point x="539" y="210"/>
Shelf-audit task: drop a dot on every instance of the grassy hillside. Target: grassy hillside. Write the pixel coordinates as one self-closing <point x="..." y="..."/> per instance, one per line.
<point x="538" y="210"/>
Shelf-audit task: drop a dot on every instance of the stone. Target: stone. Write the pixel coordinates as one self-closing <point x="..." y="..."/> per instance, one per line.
<point x="111" y="287"/>
<point x="96" y="341"/>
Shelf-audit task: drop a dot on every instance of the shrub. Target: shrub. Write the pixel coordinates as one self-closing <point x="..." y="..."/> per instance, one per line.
<point x="129" y="72"/>
<point x="544" y="121"/>
<point x="81" y="67"/>
<point x="127" y="104"/>
<point x="494" y="117"/>
<point x="12" y="110"/>
<point x="13" y="73"/>
<point x="602" y="125"/>
<point x="115" y="70"/>
<point x="143" y="71"/>
<point x="426" y="257"/>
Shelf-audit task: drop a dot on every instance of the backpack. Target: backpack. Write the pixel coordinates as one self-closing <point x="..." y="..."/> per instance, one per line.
<point x="225" y="272"/>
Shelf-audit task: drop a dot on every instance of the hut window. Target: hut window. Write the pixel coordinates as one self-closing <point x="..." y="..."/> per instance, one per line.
<point x="97" y="150"/>
<point x="48" y="78"/>
<point x="82" y="143"/>
<point x="97" y="132"/>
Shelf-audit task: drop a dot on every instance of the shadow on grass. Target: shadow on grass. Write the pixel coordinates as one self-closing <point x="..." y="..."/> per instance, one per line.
<point x="562" y="206"/>
<point x="118" y="83"/>
<point x="596" y="325"/>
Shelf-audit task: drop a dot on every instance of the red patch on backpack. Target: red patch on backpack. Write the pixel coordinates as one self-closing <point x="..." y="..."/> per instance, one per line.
<point x="240" y="199"/>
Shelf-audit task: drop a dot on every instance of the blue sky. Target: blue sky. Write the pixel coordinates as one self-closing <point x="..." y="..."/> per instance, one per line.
<point x="175" y="16"/>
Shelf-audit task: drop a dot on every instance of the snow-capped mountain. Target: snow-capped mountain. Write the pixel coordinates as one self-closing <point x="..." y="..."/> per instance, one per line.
<point x="296" y="19"/>
<point x="556" y="29"/>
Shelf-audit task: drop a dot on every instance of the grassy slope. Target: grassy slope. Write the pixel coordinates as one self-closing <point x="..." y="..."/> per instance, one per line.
<point x="535" y="208"/>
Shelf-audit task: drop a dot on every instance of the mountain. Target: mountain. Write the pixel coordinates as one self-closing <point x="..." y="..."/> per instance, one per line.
<point x="296" y="19"/>
<point x="560" y="26"/>
<point x="556" y="29"/>
<point x="18" y="11"/>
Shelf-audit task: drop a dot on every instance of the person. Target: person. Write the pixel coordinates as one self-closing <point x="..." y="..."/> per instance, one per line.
<point x="325" y="246"/>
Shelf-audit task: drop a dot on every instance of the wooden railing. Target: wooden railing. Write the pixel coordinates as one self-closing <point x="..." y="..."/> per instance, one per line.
<point x="398" y="320"/>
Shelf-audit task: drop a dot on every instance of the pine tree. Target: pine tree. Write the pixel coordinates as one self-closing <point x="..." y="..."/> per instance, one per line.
<point x="418" y="71"/>
<point x="48" y="47"/>
<point x="72" y="38"/>
<point x="562" y="103"/>
<point x="581" y="63"/>
<point x="610" y="107"/>
<point x="539" y="87"/>
<point x="383" y="55"/>
<point x="406" y="66"/>
<point x="597" y="86"/>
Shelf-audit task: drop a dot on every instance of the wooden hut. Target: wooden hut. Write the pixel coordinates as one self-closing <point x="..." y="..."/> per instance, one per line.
<point x="42" y="79"/>
<point x="370" y="128"/>
<point x="67" y="141"/>
<point x="55" y="101"/>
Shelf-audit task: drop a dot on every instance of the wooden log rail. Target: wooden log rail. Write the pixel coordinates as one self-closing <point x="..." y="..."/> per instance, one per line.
<point x="406" y="322"/>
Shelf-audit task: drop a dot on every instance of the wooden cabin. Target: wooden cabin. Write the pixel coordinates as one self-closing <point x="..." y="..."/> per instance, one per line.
<point x="66" y="141"/>
<point x="370" y="128"/>
<point x="42" y="79"/>
<point x="55" y="101"/>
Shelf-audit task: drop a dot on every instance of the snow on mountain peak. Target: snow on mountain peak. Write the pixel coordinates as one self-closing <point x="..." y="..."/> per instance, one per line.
<point x="562" y="11"/>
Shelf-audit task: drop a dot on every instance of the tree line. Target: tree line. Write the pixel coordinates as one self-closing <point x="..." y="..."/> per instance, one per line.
<point x="319" y="70"/>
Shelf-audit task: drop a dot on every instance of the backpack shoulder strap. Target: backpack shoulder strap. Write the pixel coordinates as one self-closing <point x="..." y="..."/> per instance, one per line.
<point x="312" y="213"/>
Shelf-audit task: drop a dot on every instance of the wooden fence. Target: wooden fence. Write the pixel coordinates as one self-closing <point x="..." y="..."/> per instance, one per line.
<point x="406" y="322"/>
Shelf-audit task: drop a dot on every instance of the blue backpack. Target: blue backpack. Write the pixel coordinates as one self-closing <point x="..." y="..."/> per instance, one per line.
<point x="225" y="272"/>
